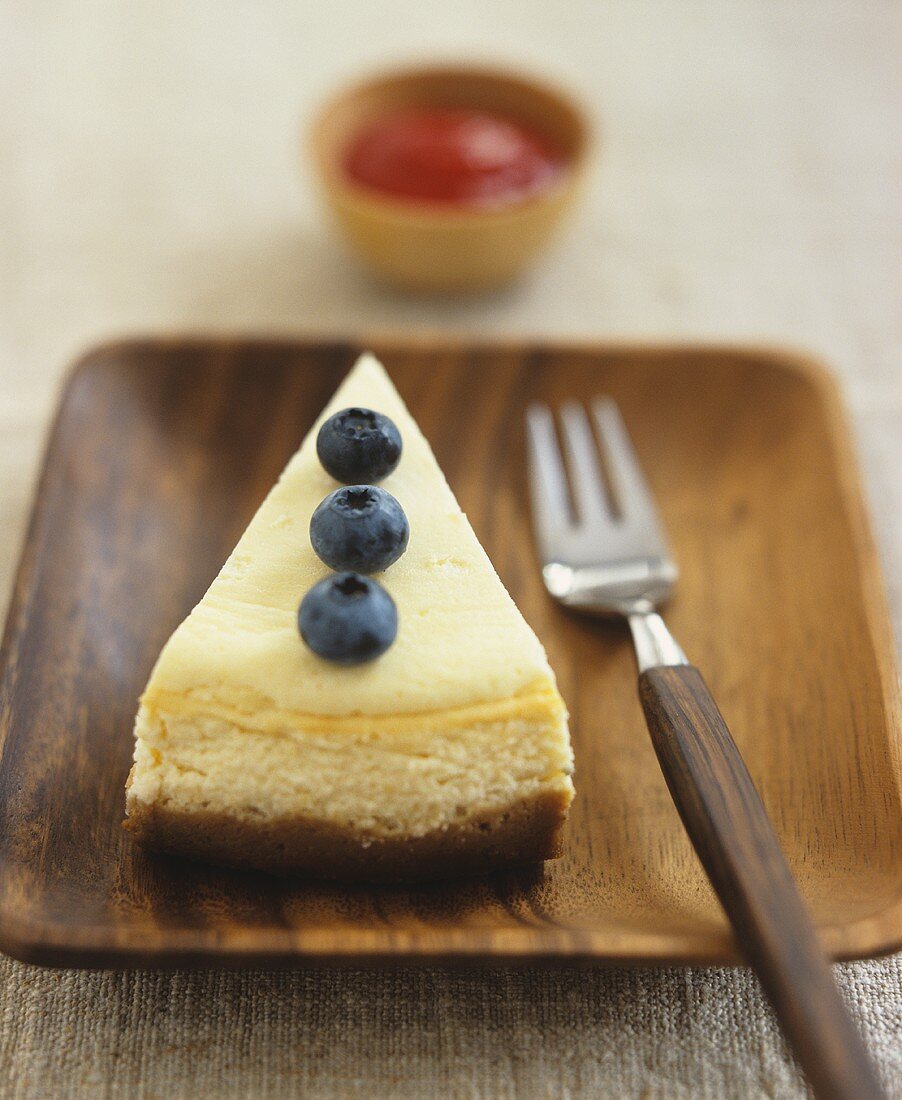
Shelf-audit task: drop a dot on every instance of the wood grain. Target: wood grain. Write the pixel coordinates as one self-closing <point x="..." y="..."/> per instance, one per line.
<point x="727" y="823"/>
<point x="160" y="454"/>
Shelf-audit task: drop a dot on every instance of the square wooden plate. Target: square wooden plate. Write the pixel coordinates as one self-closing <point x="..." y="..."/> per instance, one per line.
<point x="160" y="454"/>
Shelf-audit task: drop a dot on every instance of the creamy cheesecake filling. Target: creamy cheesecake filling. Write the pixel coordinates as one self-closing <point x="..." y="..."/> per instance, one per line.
<point x="410" y="776"/>
<point x="461" y="638"/>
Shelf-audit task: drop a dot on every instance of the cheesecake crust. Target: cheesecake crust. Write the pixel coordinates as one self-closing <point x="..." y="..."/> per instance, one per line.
<point x="524" y="833"/>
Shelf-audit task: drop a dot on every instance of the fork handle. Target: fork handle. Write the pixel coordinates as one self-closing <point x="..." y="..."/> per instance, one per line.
<point x="727" y="823"/>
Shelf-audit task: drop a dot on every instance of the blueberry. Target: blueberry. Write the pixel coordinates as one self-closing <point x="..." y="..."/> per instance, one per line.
<point x="358" y="445"/>
<point x="359" y="527"/>
<point x="348" y="619"/>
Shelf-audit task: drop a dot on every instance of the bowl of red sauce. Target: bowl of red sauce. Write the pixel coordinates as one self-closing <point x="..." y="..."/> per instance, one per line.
<point x="450" y="178"/>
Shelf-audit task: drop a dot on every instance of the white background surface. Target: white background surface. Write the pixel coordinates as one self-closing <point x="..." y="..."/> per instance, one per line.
<point x="748" y="188"/>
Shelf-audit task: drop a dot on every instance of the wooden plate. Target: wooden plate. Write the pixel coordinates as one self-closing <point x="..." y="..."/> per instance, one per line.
<point x="160" y="454"/>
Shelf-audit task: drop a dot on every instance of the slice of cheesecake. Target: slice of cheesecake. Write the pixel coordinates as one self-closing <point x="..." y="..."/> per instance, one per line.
<point x="447" y="755"/>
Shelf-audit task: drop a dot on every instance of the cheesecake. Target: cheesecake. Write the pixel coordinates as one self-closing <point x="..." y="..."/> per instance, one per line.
<point x="446" y="755"/>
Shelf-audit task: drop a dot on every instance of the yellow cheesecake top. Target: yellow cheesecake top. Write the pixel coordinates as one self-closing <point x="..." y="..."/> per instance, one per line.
<point x="461" y="640"/>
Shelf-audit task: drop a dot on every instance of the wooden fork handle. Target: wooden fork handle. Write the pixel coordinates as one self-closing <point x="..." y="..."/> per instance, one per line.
<point x="727" y="823"/>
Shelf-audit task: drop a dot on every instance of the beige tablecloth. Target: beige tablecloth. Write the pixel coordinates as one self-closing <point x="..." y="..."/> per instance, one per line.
<point x="749" y="188"/>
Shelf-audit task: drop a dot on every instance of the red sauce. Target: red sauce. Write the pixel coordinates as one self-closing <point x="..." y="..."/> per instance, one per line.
<point x="452" y="156"/>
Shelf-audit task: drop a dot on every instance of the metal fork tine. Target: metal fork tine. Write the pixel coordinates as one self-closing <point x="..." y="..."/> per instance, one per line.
<point x="591" y="557"/>
<point x="547" y="477"/>
<point x="590" y="496"/>
<point x="633" y="495"/>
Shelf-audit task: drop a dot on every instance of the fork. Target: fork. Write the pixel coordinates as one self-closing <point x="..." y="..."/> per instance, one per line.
<point x="607" y="554"/>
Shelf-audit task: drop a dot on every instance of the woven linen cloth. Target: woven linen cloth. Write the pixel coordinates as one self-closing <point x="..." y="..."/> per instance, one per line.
<point x="358" y="1033"/>
<point x="747" y="189"/>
